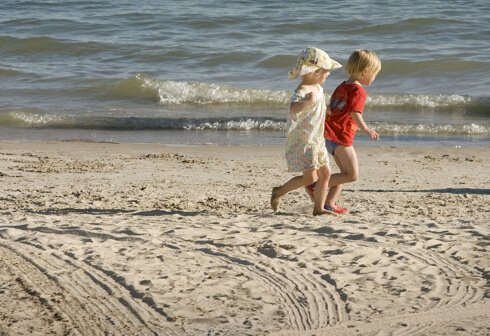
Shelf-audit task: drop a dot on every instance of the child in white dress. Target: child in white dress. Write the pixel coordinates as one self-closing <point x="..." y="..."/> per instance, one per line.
<point x="305" y="148"/>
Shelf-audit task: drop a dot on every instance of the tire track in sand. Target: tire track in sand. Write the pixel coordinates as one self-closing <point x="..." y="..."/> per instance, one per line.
<point x="309" y="302"/>
<point x="410" y="324"/>
<point x="449" y="287"/>
<point x="84" y="299"/>
<point x="454" y="284"/>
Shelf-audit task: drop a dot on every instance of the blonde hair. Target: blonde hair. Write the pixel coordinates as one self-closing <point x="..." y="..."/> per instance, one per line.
<point x="363" y="61"/>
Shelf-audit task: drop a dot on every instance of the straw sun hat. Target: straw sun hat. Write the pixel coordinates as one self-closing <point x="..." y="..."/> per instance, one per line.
<point x="311" y="59"/>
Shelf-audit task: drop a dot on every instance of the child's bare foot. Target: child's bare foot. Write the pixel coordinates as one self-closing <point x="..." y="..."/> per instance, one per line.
<point x="275" y="200"/>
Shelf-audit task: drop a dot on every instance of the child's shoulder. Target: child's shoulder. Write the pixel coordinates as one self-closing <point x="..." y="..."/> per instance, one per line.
<point x="306" y="88"/>
<point x="352" y="88"/>
<point x="301" y="88"/>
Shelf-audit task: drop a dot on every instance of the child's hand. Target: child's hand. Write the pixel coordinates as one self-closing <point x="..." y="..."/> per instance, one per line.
<point x="328" y="112"/>
<point x="306" y="101"/>
<point x="309" y="98"/>
<point x="372" y="134"/>
<point x="357" y="116"/>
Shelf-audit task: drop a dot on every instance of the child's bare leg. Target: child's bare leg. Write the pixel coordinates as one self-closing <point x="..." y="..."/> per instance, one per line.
<point x="321" y="191"/>
<point x="275" y="199"/>
<point x="333" y="195"/>
<point x="346" y="160"/>
<point x="310" y="193"/>
<point x="293" y="184"/>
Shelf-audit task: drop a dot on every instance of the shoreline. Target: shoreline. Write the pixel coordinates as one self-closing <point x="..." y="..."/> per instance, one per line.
<point x="125" y="238"/>
<point x="245" y="138"/>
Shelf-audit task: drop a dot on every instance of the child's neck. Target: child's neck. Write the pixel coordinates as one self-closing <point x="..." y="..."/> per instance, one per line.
<point x="353" y="80"/>
<point x="306" y="81"/>
<point x="309" y="84"/>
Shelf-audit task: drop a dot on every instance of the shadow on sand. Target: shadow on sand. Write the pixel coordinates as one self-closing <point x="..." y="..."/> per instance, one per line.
<point x="95" y="211"/>
<point x="455" y="191"/>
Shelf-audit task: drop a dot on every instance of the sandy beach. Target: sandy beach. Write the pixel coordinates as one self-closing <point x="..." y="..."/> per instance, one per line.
<point x="146" y="239"/>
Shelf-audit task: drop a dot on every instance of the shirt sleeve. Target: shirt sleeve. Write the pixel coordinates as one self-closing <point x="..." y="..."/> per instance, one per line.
<point x="358" y="100"/>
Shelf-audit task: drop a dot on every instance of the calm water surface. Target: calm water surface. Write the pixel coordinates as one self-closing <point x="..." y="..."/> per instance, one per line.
<point x="189" y="71"/>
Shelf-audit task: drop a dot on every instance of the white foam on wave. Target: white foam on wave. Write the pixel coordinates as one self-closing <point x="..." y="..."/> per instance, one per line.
<point x="243" y="125"/>
<point x="412" y="100"/>
<point x="174" y="92"/>
<point x="169" y="92"/>
<point x="432" y="129"/>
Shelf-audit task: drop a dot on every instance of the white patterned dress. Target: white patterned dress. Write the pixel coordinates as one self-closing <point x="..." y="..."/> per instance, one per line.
<point x="305" y="146"/>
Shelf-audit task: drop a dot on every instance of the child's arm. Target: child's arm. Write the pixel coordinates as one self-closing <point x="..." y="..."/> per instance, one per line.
<point x="300" y="102"/>
<point x="362" y="125"/>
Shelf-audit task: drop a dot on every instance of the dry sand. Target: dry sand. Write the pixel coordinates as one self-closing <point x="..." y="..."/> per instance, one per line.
<point x="129" y="239"/>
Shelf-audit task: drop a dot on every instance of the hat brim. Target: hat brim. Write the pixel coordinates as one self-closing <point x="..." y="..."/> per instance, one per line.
<point x="304" y="70"/>
<point x="335" y="65"/>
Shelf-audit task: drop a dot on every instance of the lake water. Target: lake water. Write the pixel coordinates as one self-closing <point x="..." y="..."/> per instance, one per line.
<point x="198" y="72"/>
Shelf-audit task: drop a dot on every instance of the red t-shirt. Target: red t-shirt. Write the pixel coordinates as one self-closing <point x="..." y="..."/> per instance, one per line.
<point x="340" y="127"/>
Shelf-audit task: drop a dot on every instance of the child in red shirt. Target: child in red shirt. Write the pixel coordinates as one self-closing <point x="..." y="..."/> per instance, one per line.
<point x="345" y="117"/>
